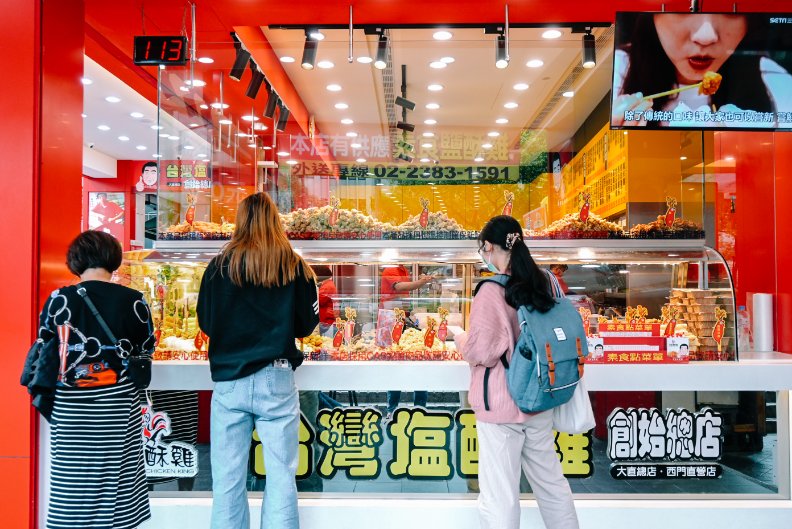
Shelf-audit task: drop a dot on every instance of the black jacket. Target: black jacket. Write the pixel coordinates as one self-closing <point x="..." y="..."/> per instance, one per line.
<point x="250" y="326"/>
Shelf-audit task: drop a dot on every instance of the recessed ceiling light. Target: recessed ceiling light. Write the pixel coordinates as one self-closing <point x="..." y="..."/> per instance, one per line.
<point x="252" y="143"/>
<point x="316" y="35"/>
<point x="86" y="81"/>
<point x="351" y="134"/>
<point x="184" y="88"/>
<point x="569" y="93"/>
<point x="551" y="34"/>
<point x="334" y="87"/>
<point x="260" y="126"/>
<point x="510" y="104"/>
<point x="437" y="65"/>
<point x="430" y="122"/>
<point x="435" y="87"/>
<point x="729" y="158"/>
<point x="205" y="107"/>
<point x="241" y="134"/>
<point x="432" y="106"/>
<point x="205" y="60"/>
<point x="225" y="121"/>
<point x="347" y="121"/>
<point x="164" y="135"/>
<point x="136" y="115"/>
<point x="341" y="106"/>
<point x="428" y="134"/>
<point x="493" y="134"/>
<point x="113" y="99"/>
<point x="478" y="159"/>
<point x="189" y="147"/>
<point x="157" y="155"/>
<point x="141" y="147"/>
<point x="291" y="162"/>
<point x="486" y="146"/>
<point x="448" y="60"/>
<point x="103" y="127"/>
<point x="267" y="148"/>
<point x="361" y="160"/>
<point x="201" y="155"/>
<point x="220" y="105"/>
<point x="84" y="115"/>
<point x="365" y="59"/>
<point x="521" y="86"/>
<point x="325" y="64"/>
<point x="250" y="117"/>
<point x="195" y="82"/>
<point x="283" y="153"/>
<point x="442" y="35"/>
<point x="287" y="58"/>
<point x="501" y="121"/>
<point x="157" y="127"/>
<point x="193" y="125"/>
<point x="173" y="138"/>
<point x="355" y="145"/>
<point x="683" y="157"/>
<point x="123" y="138"/>
<point x="535" y="63"/>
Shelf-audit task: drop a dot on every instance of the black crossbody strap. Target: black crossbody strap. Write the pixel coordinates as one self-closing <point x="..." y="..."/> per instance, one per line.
<point x="81" y="291"/>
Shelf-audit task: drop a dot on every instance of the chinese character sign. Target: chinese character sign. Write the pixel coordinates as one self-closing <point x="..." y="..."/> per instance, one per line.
<point x="163" y="459"/>
<point x="305" y="436"/>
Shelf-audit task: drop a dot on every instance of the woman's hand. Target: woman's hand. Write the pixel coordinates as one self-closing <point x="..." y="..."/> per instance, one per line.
<point x="630" y="102"/>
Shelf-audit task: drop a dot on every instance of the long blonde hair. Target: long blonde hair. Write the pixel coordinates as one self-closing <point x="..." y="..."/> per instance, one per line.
<point x="259" y="252"/>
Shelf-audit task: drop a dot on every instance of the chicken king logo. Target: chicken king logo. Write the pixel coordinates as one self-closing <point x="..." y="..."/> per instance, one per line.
<point x="163" y="459"/>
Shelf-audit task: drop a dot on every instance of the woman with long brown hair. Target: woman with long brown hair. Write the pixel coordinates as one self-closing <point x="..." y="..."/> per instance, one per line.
<point x="256" y="297"/>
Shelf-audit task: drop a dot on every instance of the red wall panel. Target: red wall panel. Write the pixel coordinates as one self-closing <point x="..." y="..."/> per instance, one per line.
<point x="783" y="240"/>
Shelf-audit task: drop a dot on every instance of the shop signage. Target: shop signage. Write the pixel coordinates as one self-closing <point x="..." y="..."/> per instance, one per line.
<point x="425" y="445"/>
<point x="187" y="174"/>
<point x="417" y="173"/>
<point x="163" y="459"/>
<point x="644" y="444"/>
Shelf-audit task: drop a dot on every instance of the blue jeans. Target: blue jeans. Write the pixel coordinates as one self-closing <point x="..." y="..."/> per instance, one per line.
<point x="419" y="399"/>
<point x="269" y="399"/>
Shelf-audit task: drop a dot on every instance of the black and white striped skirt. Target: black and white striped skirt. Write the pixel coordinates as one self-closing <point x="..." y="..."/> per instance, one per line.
<point x="98" y="479"/>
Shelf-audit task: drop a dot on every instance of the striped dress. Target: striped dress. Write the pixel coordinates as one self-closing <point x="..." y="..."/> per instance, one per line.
<point x="97" y="478"/>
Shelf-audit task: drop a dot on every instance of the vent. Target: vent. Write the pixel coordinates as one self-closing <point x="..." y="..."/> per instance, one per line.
<point x="388" y="87"/>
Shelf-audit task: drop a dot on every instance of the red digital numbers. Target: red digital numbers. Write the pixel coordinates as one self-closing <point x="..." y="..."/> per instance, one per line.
<point x="160" y="50"/>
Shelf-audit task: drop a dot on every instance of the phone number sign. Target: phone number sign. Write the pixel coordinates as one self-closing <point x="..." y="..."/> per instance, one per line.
<point x="418" y="173"/>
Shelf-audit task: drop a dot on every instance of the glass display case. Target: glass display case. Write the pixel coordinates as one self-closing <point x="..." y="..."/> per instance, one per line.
<point x="636" y="297"/>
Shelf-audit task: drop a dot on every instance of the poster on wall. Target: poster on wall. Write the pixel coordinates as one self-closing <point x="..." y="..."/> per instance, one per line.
<point x="106" y="213"/>
<point x="148" y="177"/>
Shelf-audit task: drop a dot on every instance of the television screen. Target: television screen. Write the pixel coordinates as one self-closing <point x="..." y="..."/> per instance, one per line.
<point x="702" y="70"/>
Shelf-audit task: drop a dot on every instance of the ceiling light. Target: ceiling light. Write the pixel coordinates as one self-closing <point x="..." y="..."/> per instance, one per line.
<point x="250" y="117"/>
<point x="510" y="104"/>
<point x="220" y="106"/>
<point x="173" y="138"/>
<point x="424" y="160"/>
<point x="325" y="65"/>
<point x="123" y="138"/>
<point x="442" y="35"/>
<point x="535" y="63"/>
<point x="405" y="103"/>
<point x="136" y="115"/>
<point x="447" y="60"/>
<point x="382" y="52"/>
<point x="256" y="79"/>
<point x="365" y="59"/>
<point x="435" y="87"/>
<point x="189" y="147"/>
<point x="291" y="162"/>
<point x="361" y="160"/>
<point x="551" y="34"/>
<point x="283" y="153"/>
<point x="432" y="106"/>
<point x="355" y="145"/>
<point x="341" y="106"/>
<point x="201" y="155"/>
<point x="589" y="51"/>
<point x="405" y="157"/>
<point x="428" y="134"/>
<point x="157" y="127"/>
<point x="260" y="126"/>
<point x="403" y="125"/>
<point x="315" y="34"/>
<point x="184" y="89"/>
<point x="242" y="134"/>
<point x="478" y="158"/>
<point x="112" y="99"/>
<point x="501" y="54"/>
<point x="430" y="122"/>
<point x="157" y="155"/>
<point x="426" y="145"/>
<point x="334" y="87"/>
<point x="683" y="157"/>
<point x="728" y="158"/>
<point x="568" y="93"/>
<point x="501" y="121"/>
<point x="437" y="65"/>
<point x="195" y="82"/>
<point x="240" y="63"/>
<point x="287" y="59"/>
<point x="493" y="134"/>
<point x="86" y="81"/>
<point x="486" y="146"/>
<point x="310" y="48"/>
<point x="283" y="118"/>
<point x="521" y="86"/>
<point x="205" y="107"/>
<point x="347" y="121"/>
<point x="141" y="147"/>
<point x="103" y="127"/>
<point x="225" y="121"/>
<point x="351" y="134"/>
<point x="272" y="104"/>
<point x="84" y="115"/>
<point x="205" y="60"/>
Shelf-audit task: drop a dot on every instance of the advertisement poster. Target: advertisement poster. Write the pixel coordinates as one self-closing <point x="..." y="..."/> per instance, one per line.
<point x="148" y="177"/>
<point x="106" y="213"/>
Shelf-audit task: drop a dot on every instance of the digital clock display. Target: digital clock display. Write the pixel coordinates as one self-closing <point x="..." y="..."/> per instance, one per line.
<point x="160" y="50"/>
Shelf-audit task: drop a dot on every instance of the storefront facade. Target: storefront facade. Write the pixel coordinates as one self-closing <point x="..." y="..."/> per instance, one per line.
<point x="747" y="221"/>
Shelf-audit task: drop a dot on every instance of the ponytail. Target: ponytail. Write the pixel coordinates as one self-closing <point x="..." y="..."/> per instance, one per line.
<point x="528" y="285"/>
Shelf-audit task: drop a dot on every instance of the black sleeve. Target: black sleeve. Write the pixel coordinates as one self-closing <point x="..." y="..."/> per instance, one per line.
<point x="306" y="306"/>
<point x="46" y="330"/>
<point x="204" y="306"/>
<point x="143" y="341"/>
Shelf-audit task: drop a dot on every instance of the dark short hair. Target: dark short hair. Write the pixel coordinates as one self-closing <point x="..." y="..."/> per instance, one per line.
<point x="99" y="195"/>
<point x="322" y="270"/>
<point x="599" y="345"/>
<point x="148" y="164"/>
<point x="684" y="345"/>
<point x="93" y="249"/>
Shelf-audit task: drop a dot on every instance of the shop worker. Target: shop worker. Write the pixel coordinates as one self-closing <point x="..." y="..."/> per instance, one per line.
<point x="257" y="296"/>
<point x="396" y="283"/>
<point x="558" y="271"/>
<point x="327" y="291"/>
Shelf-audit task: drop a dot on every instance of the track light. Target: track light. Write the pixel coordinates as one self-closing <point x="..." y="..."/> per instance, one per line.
<point x="405" y="103"/>
<point x="589" y="51"/>
<point x="272" y="103"/>
<point x="255" y="81"/>
<point x="309" y="52"/>
<point x="242" y="58"/>
<point x="405" y="157"/>
<point x="407" y="127"/>
<point x="501" y="53"/>
<point x="283" y="118"/>
<point x="382" y="52"/>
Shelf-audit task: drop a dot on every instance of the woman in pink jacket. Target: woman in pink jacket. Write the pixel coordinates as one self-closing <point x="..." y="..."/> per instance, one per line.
<point x="510" y="440"/>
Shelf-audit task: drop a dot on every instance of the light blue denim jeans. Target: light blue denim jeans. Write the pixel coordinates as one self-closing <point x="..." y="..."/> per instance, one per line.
<point x="269" y="399"/>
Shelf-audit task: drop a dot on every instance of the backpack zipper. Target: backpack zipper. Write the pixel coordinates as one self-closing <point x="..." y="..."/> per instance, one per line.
<point x="561" y="387"/>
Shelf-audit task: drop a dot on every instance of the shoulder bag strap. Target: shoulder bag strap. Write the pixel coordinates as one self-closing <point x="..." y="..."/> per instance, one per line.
<point x="82" y="292"/>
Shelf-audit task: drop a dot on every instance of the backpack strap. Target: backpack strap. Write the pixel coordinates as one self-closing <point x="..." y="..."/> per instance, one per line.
<point x="500" y="279"/>
<point x="550" y="364"/>
<point x="581" y="358"/>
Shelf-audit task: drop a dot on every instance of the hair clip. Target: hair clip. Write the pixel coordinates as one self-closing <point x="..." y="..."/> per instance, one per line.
<point x="511" y="239"/>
